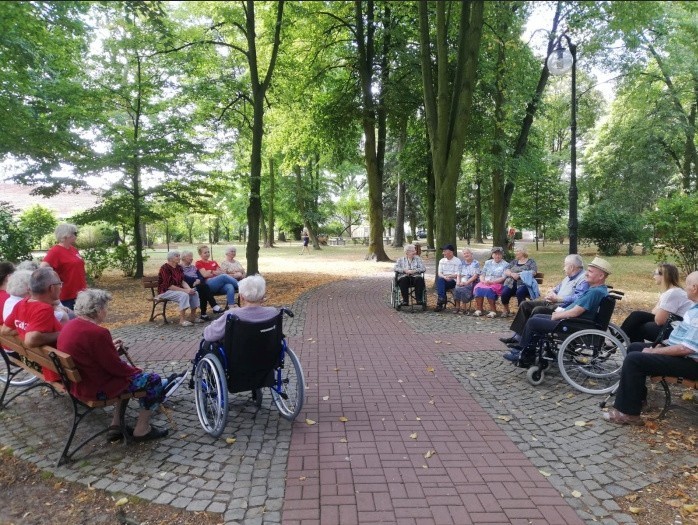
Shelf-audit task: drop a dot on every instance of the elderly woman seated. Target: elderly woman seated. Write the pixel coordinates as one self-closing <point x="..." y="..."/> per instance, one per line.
<point x="410" y="273"/>
<point x="252" y="292"/>
<point x="465" y="283"/>
<point x="513" y="285"/>
<point x="232" y="267"/>
<point x="173" y="287"/>
<point x="104" y="375"/>
<point x="18" y="289"/>
<point x="195" y="280"/>
<point x="490" y="285"/>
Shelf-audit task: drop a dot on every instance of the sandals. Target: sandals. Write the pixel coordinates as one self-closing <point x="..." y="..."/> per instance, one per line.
<point x="477" y="313"/>
<point x="114" y="433"/>
<point x="617" y="417"/>
<point x="154" y="433"/>
<point x="456" y="311"/>
<point x="186" y="323"/>
<point x="492" y="315"/>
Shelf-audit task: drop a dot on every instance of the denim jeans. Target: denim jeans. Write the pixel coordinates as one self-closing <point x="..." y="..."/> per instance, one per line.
<point x="223" y="284"/>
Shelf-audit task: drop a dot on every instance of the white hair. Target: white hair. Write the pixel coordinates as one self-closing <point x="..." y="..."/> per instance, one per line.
<point x="409" y="247"/>
<point x="231" y="249"/>
<point x="253" y="288"/>
<point x="64" y="230"/>
<point x="18" y="283"/>
<point x="91" y="301"/>
<point x="187" y="252"/>
<point x="172" y="254"/>
<point x="575" y="260"/>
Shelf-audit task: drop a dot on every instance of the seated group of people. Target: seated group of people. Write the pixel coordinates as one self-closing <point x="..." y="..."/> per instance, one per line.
<point x="579" y="296"/>
<point x="496" y="279"/>
<point x="193" y="285"/>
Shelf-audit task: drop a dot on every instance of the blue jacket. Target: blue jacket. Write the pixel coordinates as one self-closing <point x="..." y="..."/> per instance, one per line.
<point x="527" y="277"/>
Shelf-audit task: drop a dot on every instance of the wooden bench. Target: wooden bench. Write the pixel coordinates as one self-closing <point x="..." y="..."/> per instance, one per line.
<point x="427" y="251"/>
<point x="337" y="241"/>
<point x="152" y="284"/>
<point x="34" y="360"/>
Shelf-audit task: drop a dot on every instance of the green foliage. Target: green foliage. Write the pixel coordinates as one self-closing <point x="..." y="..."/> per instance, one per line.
<point x="124" y="259"/>
<point x="97" y="259"/>
<point x="14" y="242"/>
<point x="37" y="222"/>
<point x="610" y="228"/>
<point x="675" y="223"/>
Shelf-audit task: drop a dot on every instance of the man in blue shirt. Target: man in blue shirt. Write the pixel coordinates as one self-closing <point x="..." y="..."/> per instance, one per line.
<point x="565" y="293"/>
<point x="583" y="308"/>
<point x="678" y="359"/>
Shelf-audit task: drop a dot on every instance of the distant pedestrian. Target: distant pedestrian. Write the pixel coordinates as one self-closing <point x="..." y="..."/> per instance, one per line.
<point x="306" y="241"/>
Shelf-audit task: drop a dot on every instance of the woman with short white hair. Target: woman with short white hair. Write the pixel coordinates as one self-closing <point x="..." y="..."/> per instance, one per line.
<point x="173" y="287"/>
<point x="17" y="289"/>
<point x="103" y="374"/>
<point x="65" y="259"/>
<point x="232" y="267"/>
<point x="410" y="273"/>
<point x="252" y="294"/>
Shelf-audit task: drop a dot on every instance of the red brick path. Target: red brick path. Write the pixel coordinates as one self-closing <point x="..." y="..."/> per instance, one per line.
<point x="389" y="384"/>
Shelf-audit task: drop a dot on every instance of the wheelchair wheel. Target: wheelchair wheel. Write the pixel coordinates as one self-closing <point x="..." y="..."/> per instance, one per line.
<point x="289" y="392"/>
<point x="395" y="297"/>
<point x="211" y="394"/>
<point x="535" y="375"/>
<point x="619" y="334"/>
<point x="590" y="361"/>
<point x="20" y="378"/>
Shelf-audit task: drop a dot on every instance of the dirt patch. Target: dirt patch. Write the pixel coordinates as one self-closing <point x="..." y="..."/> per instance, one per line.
<point x="29" y="496"/>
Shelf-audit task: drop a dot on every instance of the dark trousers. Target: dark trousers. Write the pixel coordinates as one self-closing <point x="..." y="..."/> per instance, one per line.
<point x="408" y="281"/>
<point x="205" y="296"/>
<point x="518" y="289"/>
<point x="638" y="365"/>
<point x="536" y="327"/>
<point x="640" y="326"/>
<point x="442" y="285"/>
<point x="527" y="309"/>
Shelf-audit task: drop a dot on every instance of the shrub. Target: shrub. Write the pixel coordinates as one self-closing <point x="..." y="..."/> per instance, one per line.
<point x="96" y="261"/>
<point x="124" y="259"/>
<point x="675" y="221"/>
<point x="610" y="228"/>
<point x="15" y="244"/>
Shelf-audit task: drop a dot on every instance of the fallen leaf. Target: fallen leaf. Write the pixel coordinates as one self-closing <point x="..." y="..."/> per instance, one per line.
<point x="430" y="369"/>
<point x="399" y="380"/>
<point x="687" y="395"/>
<point x="429" y="454"/>
<point x="343" y="440"/>
<point x="325" y="398"/>
<point x="431" y="401"/>
<point x="472" y="374"/>
<point x="690" y="507"/>
<point x="632" y="497"/>
<point x="303" y="478"/>
<point x="336" y="369"/>
<point x="676" y="503"/>
<point x="413" y="435"/>
<point x="576" y="494"/>
<point x="310" y="422"/>
<point x="418" y="418"/>
<point x="437" y="342"/>
<point x="343" y="419"/>
<point x="425" y="466"/>
<point x="504" y="418"/>
<point x="122" y="501"/>
<point x="580" y="423"/>
<point x="230" y="441"/>
<point x="309" y="339"/>
<point x="636" y="510"/>
<point x="546" y="474"/>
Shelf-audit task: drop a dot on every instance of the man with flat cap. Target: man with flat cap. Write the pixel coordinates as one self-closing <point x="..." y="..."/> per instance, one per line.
<point x="585" y="307"/>
<point x="446" y="276"/>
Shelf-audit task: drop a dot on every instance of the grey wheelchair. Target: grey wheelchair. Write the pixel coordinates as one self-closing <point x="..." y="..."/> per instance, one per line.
<point x="254" y="357"/>
<point x="412" y="299"/>
<point x="588" y="353"/>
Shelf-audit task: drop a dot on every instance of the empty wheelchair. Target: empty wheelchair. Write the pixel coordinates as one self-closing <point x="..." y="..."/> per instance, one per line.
<point x="588" y="354"/>
<point x="253" y="356"/>
<point x="412" y="299"/>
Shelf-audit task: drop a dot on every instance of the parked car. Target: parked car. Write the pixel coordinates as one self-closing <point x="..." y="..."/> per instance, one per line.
<point x="421" y="234"/>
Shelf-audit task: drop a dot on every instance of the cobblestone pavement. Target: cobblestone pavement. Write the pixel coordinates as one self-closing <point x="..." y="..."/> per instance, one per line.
<point x="438" y="429"/>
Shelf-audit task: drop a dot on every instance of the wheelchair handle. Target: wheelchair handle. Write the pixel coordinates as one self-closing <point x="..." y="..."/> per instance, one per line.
<point x="287" y="311"/>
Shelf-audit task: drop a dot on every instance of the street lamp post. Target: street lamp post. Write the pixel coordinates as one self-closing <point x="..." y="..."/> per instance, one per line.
<point x="560" y="61"/>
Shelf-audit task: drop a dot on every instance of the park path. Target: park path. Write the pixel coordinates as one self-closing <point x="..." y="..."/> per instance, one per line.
<point x="415" y="446"/>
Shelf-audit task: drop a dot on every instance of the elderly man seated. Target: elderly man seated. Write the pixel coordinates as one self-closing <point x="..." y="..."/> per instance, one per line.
<point x="173" y="287"/>
<point x="678" y="359"/>
<point x="410" y="269"/>
<point x="449" y="267"/>
<point x="583" y="308"/>
<point x="565" y="293"/>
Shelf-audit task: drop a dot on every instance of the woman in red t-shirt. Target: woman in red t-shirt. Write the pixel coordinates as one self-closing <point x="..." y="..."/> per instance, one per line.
<point x="66" y="261"/>
<point x="216" y="279"/>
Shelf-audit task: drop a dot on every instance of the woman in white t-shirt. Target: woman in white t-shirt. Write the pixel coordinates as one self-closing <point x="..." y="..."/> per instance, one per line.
<point x="645" y="326"/>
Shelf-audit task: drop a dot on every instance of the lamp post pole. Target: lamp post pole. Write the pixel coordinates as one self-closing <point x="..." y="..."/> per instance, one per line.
<point x="558" y="64"/>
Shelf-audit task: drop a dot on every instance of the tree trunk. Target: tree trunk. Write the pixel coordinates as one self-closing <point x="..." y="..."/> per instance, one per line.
<point x="448" y="101"/>
<point x="431" y="205"/>
<point x="399" y="238"/>
<point x="272" y="189"/>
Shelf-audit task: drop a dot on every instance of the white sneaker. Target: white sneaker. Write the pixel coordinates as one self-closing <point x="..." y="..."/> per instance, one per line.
<point x="477" y="313"/>
<point x="186" y="323"/>
<point x="198" y="320"/>
<point x="217" y="309"/>
<point x="492" y="315"/>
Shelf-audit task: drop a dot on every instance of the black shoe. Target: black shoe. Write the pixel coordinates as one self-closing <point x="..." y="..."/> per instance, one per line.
<point x="508" y="340"/>
<point x="439" y="307"/>
<point x="515" y="344"/>
<point x="512" y="355"/>
<point x="154" y="433"/>
<point x="204" y="317"/>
